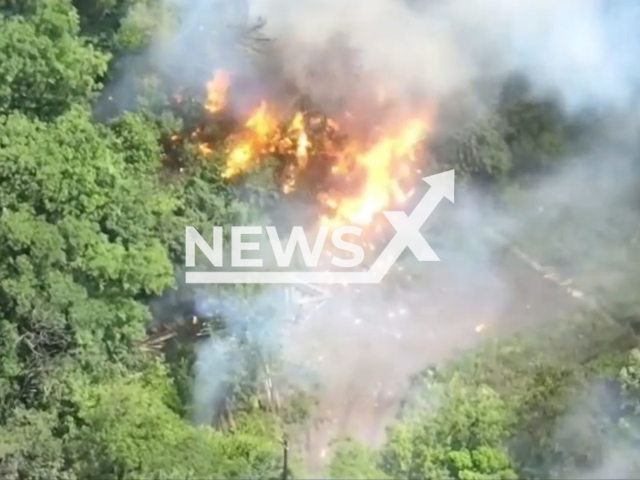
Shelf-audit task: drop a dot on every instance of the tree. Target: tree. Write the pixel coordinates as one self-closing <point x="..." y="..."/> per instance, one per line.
<point x="455" y="432"/>
<point x="45" y="67"/>
<point x="478" y="150"/>
<point x="131" y="430"/>
<point x="79" y="248"/>
<point x="354" y="460"/>
<point x="83" y="220"/>
<point x="535" y="129"/>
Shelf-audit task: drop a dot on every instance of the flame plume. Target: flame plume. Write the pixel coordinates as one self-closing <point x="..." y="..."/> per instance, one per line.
<point x="366" y="176"/>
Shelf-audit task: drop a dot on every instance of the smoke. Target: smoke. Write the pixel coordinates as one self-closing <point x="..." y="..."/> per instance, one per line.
<point x="200" y="41"/>
<point x="583" y="51"/>
<point x="216" y="366"/>
<point x="595" y="436"/>
<point x="250" y="339"/>
<point x="366" y="344"/>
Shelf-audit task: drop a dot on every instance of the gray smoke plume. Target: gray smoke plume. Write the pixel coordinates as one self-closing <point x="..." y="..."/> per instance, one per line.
<point x="250" y="340"/>
<point x="582" y="50"/>
<point x="596" y="435"/>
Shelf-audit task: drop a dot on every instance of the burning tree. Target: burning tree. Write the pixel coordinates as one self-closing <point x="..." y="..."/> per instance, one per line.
<point x="355" y="164"/>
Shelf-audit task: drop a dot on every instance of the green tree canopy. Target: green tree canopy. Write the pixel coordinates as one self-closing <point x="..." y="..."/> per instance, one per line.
<point x="45" y="66"/>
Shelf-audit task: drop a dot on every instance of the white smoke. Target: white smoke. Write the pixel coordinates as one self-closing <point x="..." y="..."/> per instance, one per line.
<point x="583" y="52"/>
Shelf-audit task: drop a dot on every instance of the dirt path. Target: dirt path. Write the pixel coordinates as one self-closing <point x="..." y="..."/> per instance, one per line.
<point x="367" y="343"/>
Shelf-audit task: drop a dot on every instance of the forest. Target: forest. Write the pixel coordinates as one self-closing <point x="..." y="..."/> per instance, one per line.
<point x="113" y="368"/>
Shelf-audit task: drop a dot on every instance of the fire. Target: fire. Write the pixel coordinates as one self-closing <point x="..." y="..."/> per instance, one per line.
<point x="384" y="167"/>
<point x="254" y="142"/>
<point x="296" y="137"/>
<point x="261" y="136"/>
<point x="302" y="140"/>
<point x="217" y="89"/>
<point x="263" y="124"/>
<point x="366" y="175"/>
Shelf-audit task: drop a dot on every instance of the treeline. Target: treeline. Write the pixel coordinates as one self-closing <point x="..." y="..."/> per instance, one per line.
<point x="91" y="228"/>
<point x="93" y="207"/>
<point x="560" y="402"/>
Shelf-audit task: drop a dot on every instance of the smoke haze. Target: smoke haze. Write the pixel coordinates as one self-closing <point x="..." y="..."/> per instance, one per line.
<point x="366" y="345"/>
<point x="582" y="50"/>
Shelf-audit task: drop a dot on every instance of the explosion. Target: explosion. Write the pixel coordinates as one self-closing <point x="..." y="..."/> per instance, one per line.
<point x="356" y="176"/>
<point x="385" y="169"/>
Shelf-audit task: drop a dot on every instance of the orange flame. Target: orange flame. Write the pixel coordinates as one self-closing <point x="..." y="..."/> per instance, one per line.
<point x="385" y="169"/>
<point x="297" y="140"/>
<point x="217" y="89"/>
<point x="366" y="177"/>
<point x="302" y="140"/>
<point x="248" y="147"/>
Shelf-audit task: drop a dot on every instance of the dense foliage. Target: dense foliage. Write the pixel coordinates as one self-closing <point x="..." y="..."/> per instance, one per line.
<point x="91" y="225"/>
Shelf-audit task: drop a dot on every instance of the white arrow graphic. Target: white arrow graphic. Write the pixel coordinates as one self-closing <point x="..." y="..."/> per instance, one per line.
<point x="407" y="235"/>
<point x="408" y="227"/>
